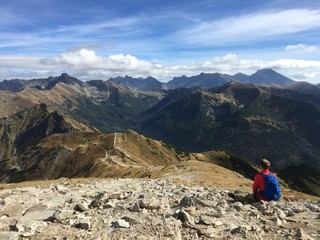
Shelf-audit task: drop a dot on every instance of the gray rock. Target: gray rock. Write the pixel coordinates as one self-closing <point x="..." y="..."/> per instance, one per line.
<point x="233" y="227"/>
<point x="2" y="202"/>
<point x="302" y="235"/>
<point x="298" y="208"/>
<point x="237" y="205"/>
<point x="277" y="221"/>
<point x="84" y="223"/>
<point x="36" y="215"/>
<point x="154" y="203"/>
<point x="218" y="223"/>
<point x="65" y="214"/>
<point x="222" y="203"/>
<point x="95" y="203"/>
<point x="56" y="216"/>
<point x="120" y="223"/>
<point x="206" y="220"/>
<point x="142" y="203"/>
<point x="100" y="195"/>
<point x="261" y="206"/>
<point x="191" y="201"/>
<point x="135" y="207"/>
<point x="116" y="195"/>
<point x="236" y="230"/>
<point x="312" y="207"/>
<point x="130" y="220"/>
<point x="280" y="213"/>
<point x="80" y="207"/>
<point x="272" y="203"/>
<point x="185" y="217"/>
<point x="28" y="228"/>
<point x="289" y="213"/>
<point x="110" y="204"/>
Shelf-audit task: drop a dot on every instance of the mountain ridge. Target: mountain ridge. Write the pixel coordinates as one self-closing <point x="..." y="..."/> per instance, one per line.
<point x="204" y="80"/>
<point x="251" y="121"/>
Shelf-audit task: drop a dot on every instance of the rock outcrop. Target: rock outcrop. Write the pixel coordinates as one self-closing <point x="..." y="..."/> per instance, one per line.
<point x="147" y="209"/>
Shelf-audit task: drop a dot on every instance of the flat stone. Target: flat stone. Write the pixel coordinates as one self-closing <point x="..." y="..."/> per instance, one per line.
<point x="120" y="223"/>
<point x="246" y="227"/>
<point x="36" y="215"/>
<point x="116" y="195"/>
<point x="218" y="223"/>
<point x="206" y="220"/>
<point x="9" y="236"/>
<point x="36" y="208"/>
<point x="28" y="228"/>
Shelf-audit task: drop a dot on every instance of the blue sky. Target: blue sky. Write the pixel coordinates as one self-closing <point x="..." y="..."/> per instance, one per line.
<point x="101" y="39"/>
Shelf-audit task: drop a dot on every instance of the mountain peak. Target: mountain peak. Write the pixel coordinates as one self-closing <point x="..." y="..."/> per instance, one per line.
<point x="148" y="83"/>
<point x="63" y="78"/>
<point x="269" y="76"/>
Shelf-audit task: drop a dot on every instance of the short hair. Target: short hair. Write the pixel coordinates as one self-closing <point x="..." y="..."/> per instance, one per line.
<point x="265" y="164"/>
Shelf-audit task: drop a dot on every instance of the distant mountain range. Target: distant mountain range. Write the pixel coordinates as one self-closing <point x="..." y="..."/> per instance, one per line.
<point x="278" y="122"/>
<point x="203" y="80"/>
<point x="209" y="80"/>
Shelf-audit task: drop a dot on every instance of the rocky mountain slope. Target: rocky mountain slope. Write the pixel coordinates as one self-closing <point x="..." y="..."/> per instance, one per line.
<point x="148" y="83"/>
<point x="16" y="85"/>
<point x="27" y="128"/>
<point x="128" y="154"/>
<point x="205" y="80"/>
<point x="147" y="209"/>
<point x="242" y="118"/>
<point x="104" y="105"/>
<point x="251" y="121"/>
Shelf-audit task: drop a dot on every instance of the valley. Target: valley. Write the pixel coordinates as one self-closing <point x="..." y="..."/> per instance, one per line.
<point x="62" y="127"/>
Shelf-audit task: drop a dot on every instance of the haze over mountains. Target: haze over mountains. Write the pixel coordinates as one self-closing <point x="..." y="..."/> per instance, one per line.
<point x="40" y="118"/>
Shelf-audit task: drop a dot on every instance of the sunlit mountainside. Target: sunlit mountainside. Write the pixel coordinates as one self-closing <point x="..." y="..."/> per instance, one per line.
<point x="61" y="126"/>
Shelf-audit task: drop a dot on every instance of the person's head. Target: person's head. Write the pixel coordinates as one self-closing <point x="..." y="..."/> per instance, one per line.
<point x="264" y="164"/>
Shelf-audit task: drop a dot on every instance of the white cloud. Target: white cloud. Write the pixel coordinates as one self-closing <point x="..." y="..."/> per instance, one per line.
<point x="86" y="64"/>
<point x="309" y="77"/>
<point x="302" y="47"/>
<point x="260" y="26"/>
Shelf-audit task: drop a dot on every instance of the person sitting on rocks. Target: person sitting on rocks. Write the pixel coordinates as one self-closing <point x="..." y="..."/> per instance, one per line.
<point x="265" y="186"/>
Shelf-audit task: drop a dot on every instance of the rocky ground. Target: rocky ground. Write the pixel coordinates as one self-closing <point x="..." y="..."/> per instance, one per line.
<point x="147" y="209"/>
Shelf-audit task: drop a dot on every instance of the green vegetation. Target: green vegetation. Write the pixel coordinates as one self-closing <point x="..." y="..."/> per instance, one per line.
<point x="233" y="162"/>
<point x="302" y="178"/>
